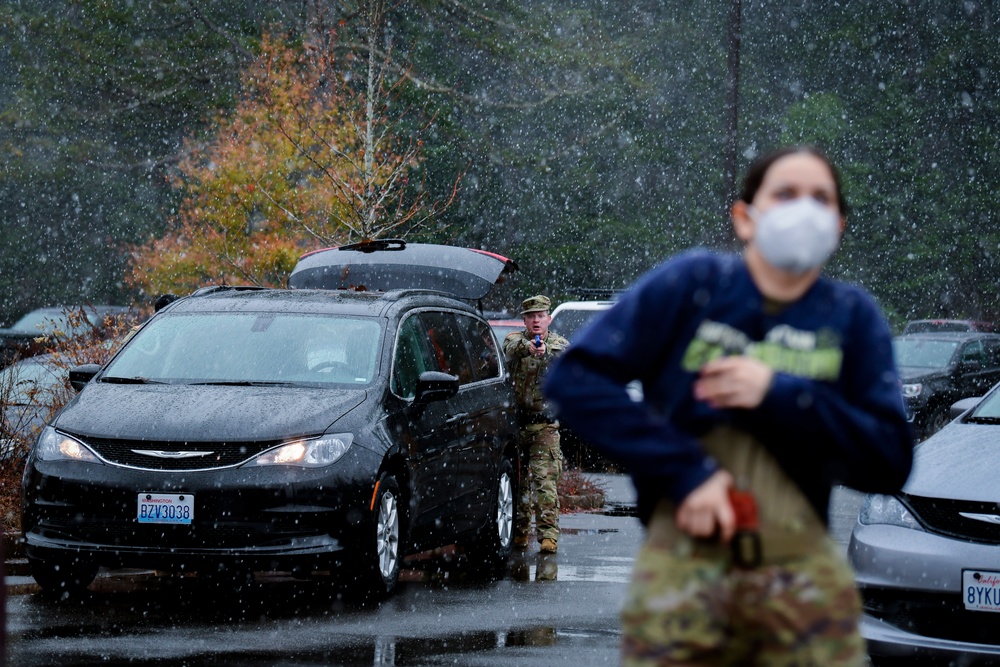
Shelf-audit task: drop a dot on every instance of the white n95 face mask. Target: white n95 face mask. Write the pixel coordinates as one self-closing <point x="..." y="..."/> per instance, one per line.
<point x="797" y="236"/>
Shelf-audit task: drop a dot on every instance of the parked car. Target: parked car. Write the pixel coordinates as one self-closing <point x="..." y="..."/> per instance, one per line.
<point x="937" y="369"/>
<point x="570" y="317"/>
<point x="927" y="560"/>
<point x="31" y="334"/>
<point x="335" y="428"/>
<point x="503" y="327"/>
<point x="932" y="326"/>
<point x="28" y="388"/>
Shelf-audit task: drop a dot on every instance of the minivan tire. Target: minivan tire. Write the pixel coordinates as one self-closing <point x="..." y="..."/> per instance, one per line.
<point x="494" y="543"/>
<point x="376" y="566"/>
<point x="63" y="578"/>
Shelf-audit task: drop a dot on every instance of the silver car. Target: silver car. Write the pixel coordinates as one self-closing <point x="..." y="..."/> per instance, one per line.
<point x="927" y="560"/>
<point x="28" y="390"/>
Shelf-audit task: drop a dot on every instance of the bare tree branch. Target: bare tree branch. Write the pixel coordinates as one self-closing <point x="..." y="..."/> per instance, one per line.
<point x="217" y="30"/>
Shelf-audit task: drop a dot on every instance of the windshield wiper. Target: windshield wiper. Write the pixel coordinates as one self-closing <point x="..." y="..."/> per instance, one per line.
<point x="133" y="380"/>
<point x="977" y="419"/>
<point x="245" y="383"/>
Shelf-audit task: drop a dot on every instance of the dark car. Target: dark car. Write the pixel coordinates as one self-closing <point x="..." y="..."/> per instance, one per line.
<point x="937" y="369"/>
<point x="31" y="334"/>
<point x="306" y="430"/>
<point x="927" y="560"/>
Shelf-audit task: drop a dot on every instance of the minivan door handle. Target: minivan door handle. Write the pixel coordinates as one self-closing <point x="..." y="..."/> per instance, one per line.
<point x="461" y="416"/>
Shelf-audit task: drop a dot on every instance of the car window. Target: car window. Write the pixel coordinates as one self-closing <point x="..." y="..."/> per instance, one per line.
<point x="918" y="353"/>
<point x="252" y="347"/>
<point x="29" y="383"/>
<point x="569" y="322"/>
<point x="448" y="345"/>
<point x="992" y="353"/>
<point x="988" y="408"/>
<point x="410" y="358"/>
<point x="482" y="347"/>
<point x="974" y="353"/>
<point x="501" y="329"/>
<point x="41" y="321"/>
<point x="933" y="327"/>
<point x="50" y="321"/>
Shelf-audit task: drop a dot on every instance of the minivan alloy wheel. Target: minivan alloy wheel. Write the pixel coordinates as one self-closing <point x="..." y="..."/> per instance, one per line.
<point x="505" y="509"/>
<point x="387" y="534"/>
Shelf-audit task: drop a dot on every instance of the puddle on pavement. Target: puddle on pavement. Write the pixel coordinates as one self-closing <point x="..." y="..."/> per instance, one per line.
<point x="618" y="509"/>
<point x="376" y="651"/>
<point x="587" y="531"/>
<point x="400" y="651"/>
<point x="547" y="568"/>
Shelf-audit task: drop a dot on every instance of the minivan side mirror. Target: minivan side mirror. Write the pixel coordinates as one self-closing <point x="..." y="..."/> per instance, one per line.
<point x="435" y="386"/>
<point x="79" y="376"/>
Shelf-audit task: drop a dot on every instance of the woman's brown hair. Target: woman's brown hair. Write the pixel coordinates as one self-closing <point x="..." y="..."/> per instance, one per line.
<point x="760" y="165"/>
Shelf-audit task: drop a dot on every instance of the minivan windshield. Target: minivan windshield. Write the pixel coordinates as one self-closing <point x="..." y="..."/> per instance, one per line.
<point x="250" y="348"/>
<point x="921" y="353"/>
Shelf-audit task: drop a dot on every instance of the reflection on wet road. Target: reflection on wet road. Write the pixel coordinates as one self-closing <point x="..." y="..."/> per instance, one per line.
<point x="544" y="610"/>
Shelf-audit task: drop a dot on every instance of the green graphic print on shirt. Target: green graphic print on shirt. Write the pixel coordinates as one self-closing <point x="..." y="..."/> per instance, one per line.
<point x="811" y="354"/>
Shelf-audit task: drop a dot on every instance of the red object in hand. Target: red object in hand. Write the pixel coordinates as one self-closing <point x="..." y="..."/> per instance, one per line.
<point x="745" y="508"/>
<point x="746" y="546"/>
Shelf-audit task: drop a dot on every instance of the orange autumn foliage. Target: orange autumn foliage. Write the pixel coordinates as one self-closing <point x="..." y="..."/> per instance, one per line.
<point x="281" y="174"/>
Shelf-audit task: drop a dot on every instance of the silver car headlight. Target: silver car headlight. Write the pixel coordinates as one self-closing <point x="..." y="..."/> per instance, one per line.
<point x="912" y="390"/>
<point x="55" y="446"/>
<point x="315" y="453"/>
<point x="886" y="510"/>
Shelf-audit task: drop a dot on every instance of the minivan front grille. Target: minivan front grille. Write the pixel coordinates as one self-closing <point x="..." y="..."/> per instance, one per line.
<point x="156" y="455"/>
<point x="951" y="518"/>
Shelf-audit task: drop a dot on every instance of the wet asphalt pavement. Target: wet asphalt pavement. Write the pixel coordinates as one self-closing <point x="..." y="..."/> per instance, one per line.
<point x="545" y="610"/>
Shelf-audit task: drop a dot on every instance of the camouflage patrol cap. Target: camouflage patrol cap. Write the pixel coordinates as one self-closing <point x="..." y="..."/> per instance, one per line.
<point x="535" y="303"/>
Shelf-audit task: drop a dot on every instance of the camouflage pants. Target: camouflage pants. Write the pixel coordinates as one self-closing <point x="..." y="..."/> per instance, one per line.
<point x="689" y="609"/>
<point x="541" y="444"/>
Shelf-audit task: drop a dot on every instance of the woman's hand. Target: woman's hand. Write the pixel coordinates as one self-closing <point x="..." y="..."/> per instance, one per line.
<point x="706" y="511"/>
<point x="733" y="382"/>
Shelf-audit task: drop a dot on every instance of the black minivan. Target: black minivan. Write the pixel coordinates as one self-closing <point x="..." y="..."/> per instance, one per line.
<point x="335" y="428"/>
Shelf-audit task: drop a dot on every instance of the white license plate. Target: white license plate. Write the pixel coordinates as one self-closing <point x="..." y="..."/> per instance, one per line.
<point x="981" y="590"/>
<point x="165" y="508"/>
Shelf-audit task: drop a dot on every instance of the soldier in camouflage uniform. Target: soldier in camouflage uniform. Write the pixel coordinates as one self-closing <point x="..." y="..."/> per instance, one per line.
<point x="528" y="354"/>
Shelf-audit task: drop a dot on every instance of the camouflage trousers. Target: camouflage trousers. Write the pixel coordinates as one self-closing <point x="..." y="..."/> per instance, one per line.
<point x="537" y="491"/>
<point x="689" y="607"/>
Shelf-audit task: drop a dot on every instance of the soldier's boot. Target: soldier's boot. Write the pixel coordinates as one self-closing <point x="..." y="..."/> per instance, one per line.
<point x="549" y="546"/>
<point x="520" y="542"/>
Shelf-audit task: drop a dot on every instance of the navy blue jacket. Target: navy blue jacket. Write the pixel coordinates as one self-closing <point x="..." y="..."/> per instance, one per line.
<point x="833" y="414"/>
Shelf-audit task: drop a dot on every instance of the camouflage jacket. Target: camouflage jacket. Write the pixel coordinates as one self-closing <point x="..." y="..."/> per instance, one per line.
<point x="527" y="370"/>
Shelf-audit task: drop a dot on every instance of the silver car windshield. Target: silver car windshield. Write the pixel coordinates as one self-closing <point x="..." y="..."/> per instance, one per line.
<point x="915" y="353"/>
<point x="30" y="382"/>
<point x="250" y="348"/>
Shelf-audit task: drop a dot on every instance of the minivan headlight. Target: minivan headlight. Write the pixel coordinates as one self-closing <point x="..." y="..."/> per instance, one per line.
<point x="912" y="390"/>
<point x="886" y="510"/>
<point x="55" y="446"/>
<point x="314" y="453"/>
